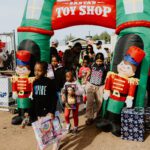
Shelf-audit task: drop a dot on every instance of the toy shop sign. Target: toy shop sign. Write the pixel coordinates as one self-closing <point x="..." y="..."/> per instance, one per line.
<point x="69" y="13"/>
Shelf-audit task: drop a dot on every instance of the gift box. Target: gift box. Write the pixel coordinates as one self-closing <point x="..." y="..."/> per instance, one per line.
<point x="132" y="124"/>
<point x="147" y="119"/>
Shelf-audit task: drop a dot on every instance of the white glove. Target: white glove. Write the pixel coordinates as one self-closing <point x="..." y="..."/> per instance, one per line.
<point x="31" y="96"/>
<point x="15" y="95"/>
<point x="106" y="94"/>
<point x="129" y="101"/>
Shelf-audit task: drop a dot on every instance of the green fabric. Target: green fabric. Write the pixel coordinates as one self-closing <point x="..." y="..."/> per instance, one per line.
<point x="45" y="18"/>
<point x="115" y="106"/>
<point x="23" y="103"/>
<point x="122" y="17"/>
<point x="144" y="33"/>
<point x="44" y="22"/>
<point x="141" y="88"/>
<point x="41" y="40"/>
<point x="104" y="105"/>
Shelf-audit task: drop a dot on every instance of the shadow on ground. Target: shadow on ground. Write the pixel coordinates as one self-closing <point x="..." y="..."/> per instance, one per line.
<point x="83" y="139"/>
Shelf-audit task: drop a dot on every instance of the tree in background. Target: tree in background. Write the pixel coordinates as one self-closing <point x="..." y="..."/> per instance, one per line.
<point x="68" y="38"/>
<point x="96" y="37"/>
<point x="103" y="36"/>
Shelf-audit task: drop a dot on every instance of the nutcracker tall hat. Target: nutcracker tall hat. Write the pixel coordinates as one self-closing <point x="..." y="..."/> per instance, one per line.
<point x="23" y="57"/>
<point x="134" y="55"/>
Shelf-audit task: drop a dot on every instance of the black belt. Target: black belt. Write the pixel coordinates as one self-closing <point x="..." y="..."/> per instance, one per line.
<point x="121" y="94"/>
<point x="23" y="92"/>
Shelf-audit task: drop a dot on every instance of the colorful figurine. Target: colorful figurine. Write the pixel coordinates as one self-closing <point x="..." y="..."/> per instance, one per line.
<point x="22" y="85"/>
<point x="120" y="89"/>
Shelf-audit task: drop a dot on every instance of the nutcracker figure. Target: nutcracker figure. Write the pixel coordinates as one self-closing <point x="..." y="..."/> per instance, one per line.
<point x="119" y="89"/>
<point x="22" y="85"/>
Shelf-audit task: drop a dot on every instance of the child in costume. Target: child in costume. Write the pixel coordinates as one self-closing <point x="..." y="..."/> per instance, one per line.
<point x="71" y="94"/>
<point x="22" y="85"/>
<point x="119" y="89"/>
<point x="95" y="87"/>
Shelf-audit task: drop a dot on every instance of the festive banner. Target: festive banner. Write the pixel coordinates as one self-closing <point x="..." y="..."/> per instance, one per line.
<point x="96" y="12"/>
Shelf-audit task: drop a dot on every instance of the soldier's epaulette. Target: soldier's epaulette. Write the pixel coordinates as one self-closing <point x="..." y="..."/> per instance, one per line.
<point x="110" y="73"/>
<point x="31" y="79"/>
<point x="14" y="78"/>
<point x="133" y="81"/>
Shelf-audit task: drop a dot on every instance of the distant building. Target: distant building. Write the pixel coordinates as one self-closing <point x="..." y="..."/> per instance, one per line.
<point x="80" y="40"/>
<point x="88" y="40"/>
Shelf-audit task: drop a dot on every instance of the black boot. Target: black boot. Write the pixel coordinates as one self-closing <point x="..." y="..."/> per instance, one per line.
<point x="104" y="125"/>
<point x="17" y="120"/>
<point x="116" y="129"/>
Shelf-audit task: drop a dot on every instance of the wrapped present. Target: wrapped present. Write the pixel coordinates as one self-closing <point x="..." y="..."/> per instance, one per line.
<point x="147" y="119"/>
<point x="48" y="131"/>
<point x="132" y="124"/>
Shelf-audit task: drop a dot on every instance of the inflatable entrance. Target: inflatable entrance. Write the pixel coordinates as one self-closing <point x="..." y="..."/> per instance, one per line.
<point x="130" y="19"/>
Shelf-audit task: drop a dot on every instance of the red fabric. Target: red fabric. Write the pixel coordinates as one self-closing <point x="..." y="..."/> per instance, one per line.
<point x="2" y="44"/>
<point x="82" y="12"/>
<point x="75" y="115"/>
<point x="23" y="55"/>
<point x="130" y="24"/>
<point x="83" y="70"/>
<point x="36" y="30"/>
<point x="120" y="84"/>
<point x="136" y="53"/>
<point x="84" y="99"/>
<point x="22" y="85"/>
<point x="60" y="53"/>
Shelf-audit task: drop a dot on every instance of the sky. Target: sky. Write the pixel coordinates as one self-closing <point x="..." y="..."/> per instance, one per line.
<point x="11" y="12"/>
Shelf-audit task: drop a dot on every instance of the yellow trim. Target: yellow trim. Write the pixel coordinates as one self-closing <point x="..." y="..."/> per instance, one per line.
<point x="119" y="84"/>
<point x="21" y="88"/>
<point x="22" y="81"/>
<point x="19" y="84"/>
<point x="133" y="81"/>
<point x="115" y="87"/>
<point x="119" y="80"/>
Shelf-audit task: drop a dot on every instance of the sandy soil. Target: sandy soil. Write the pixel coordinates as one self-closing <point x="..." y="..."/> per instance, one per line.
<point x="88" y="138"/>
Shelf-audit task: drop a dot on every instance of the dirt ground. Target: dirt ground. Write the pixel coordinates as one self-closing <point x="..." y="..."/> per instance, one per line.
<point x="88" y="138"/>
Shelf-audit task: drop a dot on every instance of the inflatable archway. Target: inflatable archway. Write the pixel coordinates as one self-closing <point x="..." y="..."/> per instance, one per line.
<point x="130" y="18"/>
